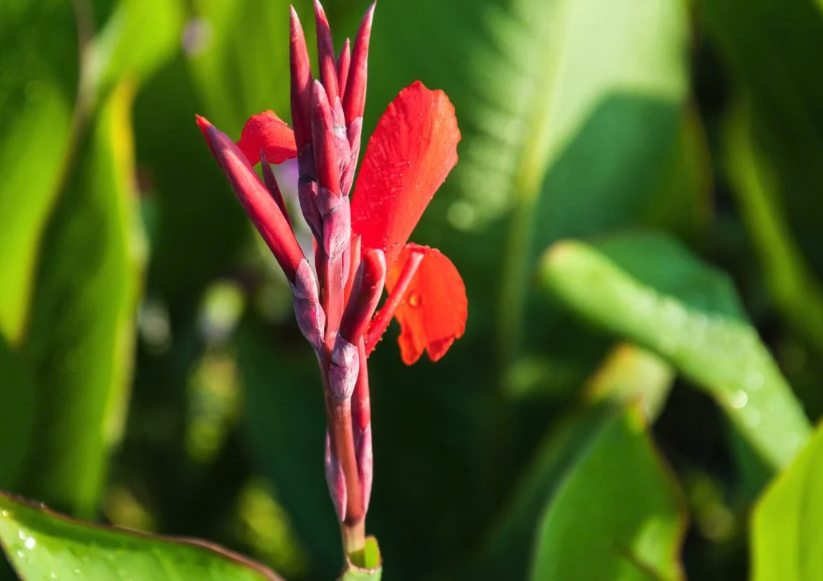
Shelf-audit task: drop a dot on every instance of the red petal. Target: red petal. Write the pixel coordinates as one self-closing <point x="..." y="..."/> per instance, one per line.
<point x="267" y="132"/>
<point x="434" y="310"/>
<point x="412" y="150"/>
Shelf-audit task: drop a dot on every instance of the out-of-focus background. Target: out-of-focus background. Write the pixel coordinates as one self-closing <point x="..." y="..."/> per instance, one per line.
<point x="151" y="373"/>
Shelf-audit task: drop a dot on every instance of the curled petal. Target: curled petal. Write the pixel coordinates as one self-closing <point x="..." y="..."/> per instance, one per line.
<point x="433" y="312"/>
<point x="268" y="133"/>
<point x="412" y="150"/>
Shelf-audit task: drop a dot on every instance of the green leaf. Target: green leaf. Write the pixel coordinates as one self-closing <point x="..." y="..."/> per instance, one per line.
<point x="788" y="521"/>
<point x="369" y="565"/>
<point x="43" y="546"/>
<point x="649" y="290"/>
<point x="617" y="515"/>
<point x="16" y="414"/>
<point x="796" y="291"/>
<point x="37" y="93"/>
<point x="79" y="345"/>
<point x="772" y="49"/>
<point x="123" y="48"/>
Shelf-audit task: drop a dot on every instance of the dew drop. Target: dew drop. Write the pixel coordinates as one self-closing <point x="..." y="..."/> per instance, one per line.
<point x="30" y="543"/>
<point x="52" y="575"/>
<point x="739" y="399"/>
<point x="4" y="513"/>
<point x="21" y="534"/>
<point x="752" y="419"/>
<point x="21" y="554"/>
<point x="414" y="300"/>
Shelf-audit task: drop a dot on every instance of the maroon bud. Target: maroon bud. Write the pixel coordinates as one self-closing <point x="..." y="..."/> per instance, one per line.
<point x="271" y="185"/>
<point x="343" y="62"/>
<point x="255" y="198"/>
<point x="325" y="52"/>
<point x="336" y="481"/>
<point x="300" y="83"/>
<point x="343" y="370"/>
<point x="325" y="148"/>
<point x="310" y="316"/>
<point x="335" y="214"/>
<point x="354" y="99"/>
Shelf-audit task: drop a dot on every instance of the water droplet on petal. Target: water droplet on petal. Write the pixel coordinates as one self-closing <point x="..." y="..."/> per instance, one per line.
<point x="414" y="300"/>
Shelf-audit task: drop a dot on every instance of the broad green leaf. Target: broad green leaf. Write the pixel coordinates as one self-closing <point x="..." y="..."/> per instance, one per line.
<point x="617" y="514"/>
<point x="649" y="290"/>
<point x="787" y="527"/>
<point x="79" y="346"/>
<point x="16" y="414"/>
<point x="37" y="93"/>
<point x="43" y="546"/>
<point x="796" y="290"/>
<point x="505" y="550"/>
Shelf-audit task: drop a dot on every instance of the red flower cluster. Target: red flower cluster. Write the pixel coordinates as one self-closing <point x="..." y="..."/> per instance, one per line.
<point x="361" y="244"/>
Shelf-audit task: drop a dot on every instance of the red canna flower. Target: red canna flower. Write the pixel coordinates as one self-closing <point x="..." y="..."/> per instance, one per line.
<point x="409" y="156"/>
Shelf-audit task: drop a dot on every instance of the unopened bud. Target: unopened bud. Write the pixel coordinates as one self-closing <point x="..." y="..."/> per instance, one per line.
<point x="343" y="62"/>
<point x="310" y="316"/>
<point x="335" y="212"/>
<point x="354" y="100"/>
<point x="325" y="52"/>
<point x="326" y="161"/>
<point x="343" y="370"/>
<point x="365" y="294"/>
<point x="300" y="83"/>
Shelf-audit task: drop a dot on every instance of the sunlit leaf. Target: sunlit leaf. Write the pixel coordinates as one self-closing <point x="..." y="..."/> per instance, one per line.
<point x="649" y="290"/>
<point x="788" y="521"/>
<point x="37" y="94"/>
<point x="43" y="546"/>
<point x="80" y="338"/>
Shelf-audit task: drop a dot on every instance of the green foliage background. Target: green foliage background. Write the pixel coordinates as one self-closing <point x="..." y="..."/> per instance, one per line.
<point x="636" y="214"/>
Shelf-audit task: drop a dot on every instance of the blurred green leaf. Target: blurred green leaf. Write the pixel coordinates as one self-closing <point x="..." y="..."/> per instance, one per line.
<point x="630" y="374"/>
<point x="16" y="414"/>
<point x="617" y="515"/>
<point x="649" y="290"/>
<point x="773" y="48"/>
<point x="793" y="285"/>
<point x="43" y="546"/>
<point x="238" y="55"/>
<point x="788" y="521"/>
<point x="122" y="46"/>
<point x="38" y="42"/>
<point x="80" y="339"/>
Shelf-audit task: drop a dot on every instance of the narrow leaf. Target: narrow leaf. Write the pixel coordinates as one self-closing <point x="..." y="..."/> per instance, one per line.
<point x="80" y="337"/>
<point x="649" y="290"/>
